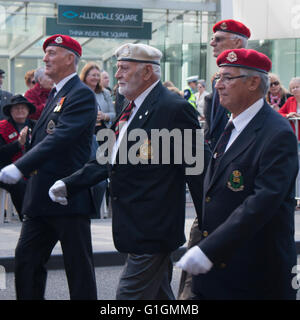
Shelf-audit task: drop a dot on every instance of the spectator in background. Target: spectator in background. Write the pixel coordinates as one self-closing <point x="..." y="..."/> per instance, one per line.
<point x="15" y="136"/>
<point x="91" y="75"/>
<point x="38" y="95"/>
<point x="168" y="84"/>
<point x="277" y="94"/>
<point x="200" y="97"/>
<point x="29" y="79"/>
<point x="4" y="95"/>
<point x="105" y="81"/>
<point x="291" y="109"/>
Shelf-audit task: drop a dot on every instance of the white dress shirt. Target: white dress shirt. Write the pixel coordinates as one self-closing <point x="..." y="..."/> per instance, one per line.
<point x="240" y="122"/>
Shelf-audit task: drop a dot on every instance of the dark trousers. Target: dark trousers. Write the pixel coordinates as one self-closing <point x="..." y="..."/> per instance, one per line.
<point x="38" y="237"/>
<point x="17" y="192"/>
<point x="146" y="277"/>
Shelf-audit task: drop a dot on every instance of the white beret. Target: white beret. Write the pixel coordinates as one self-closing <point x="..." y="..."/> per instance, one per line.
<point x="192" y="79"/>
<point x="138" y="52"/>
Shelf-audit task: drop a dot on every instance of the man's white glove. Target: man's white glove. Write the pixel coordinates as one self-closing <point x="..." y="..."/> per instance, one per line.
<point x="194" y="261"/>
<point x="10" y="174"/>
<point x="58" y="193"/>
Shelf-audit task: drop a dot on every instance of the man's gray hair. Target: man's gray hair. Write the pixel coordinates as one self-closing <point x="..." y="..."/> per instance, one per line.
<point x="38" y="73"/>
<point x="264" y="77"/>
<point x="243" y="39"/>
<point x="155" y="67"/>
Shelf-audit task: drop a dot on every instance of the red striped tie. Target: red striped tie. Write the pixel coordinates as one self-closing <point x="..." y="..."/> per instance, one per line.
<point x="124" y="118"/>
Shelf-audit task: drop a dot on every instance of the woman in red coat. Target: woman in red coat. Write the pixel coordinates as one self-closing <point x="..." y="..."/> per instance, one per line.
<point x="291" y="110"/>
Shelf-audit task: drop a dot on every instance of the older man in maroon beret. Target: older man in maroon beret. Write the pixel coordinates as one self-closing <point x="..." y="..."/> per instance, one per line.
<point x="247" y="250"/>
<point x="61" y="144"/>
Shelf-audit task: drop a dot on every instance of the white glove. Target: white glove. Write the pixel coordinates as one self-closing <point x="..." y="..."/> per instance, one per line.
<point x="194" y="261"/>
<point x="10" y="174"/>
<point x="58" y="193"/>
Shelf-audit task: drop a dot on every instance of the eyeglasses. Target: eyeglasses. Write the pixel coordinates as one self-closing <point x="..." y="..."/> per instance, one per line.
<point x="227" y="79"/>
<point x="275" y="83"/>
<point x="220" y="39"/>
<point x="33" y="82"/>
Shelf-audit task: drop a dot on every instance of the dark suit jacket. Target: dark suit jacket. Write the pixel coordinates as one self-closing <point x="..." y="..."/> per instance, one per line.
<point x="4" y="99"/>
<point x="248" y="214"/>
<point x="148" y="200"/>
<point x="61" y="144"/>
<point x="216" y="118"/>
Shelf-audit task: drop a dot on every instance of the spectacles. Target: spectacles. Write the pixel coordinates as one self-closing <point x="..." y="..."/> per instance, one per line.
<point x="275" y="83"/>
<point x="227" y="79"/>
<point x="33" y="82"/>
<point x="220" y="39"/>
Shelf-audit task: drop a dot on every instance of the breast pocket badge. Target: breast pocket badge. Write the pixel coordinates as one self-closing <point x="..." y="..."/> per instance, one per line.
<point x="50" y="127"/>
<point x="146" y="151"/>
<point x="236" y="181"/>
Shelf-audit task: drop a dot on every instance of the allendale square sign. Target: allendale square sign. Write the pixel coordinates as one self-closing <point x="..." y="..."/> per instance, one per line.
<point x="99" y="22"/>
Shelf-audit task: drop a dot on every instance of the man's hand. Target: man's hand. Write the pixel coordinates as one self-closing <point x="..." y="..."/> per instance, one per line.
<point x="10" y="174"/>
<point x="58" y="193"/>
<point x="194" y="261"/>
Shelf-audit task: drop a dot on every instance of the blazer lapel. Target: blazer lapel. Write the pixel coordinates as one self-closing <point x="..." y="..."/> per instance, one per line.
<point x="52" y="104"/>
<point x="241" y="143"/>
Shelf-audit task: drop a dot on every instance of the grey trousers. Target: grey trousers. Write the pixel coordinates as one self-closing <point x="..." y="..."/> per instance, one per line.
<point x="146" y="277"/>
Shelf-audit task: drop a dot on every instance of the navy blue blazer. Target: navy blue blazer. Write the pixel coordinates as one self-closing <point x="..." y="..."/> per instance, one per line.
<point x="61" y="144"/>
<point x="148" y="200"/>
<point x="247" y="222"/>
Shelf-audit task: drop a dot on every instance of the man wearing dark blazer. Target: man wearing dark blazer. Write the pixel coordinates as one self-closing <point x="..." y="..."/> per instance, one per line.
<point x="247" y="249"/>
<point x="5" y="96"/>
<point x="61" y="144"/>
<point x="148" y="199"/>
<point x="228" y="34"/>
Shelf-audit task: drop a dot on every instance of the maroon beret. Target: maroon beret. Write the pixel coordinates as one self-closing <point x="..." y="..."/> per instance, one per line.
<point x="60" y="40"/>
<point x="232" y="26"/>
<point x="245" y="58"/>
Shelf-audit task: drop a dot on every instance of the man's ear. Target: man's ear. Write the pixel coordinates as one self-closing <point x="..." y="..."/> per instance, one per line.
<point x="254" y="83"/>
<point x="148" y="71"/>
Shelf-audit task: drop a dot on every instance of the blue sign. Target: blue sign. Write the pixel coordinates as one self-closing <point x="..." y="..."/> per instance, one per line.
<point x="118" y="17"/>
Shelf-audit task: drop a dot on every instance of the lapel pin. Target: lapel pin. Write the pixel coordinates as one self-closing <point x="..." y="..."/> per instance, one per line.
<point x="140" y="117"/>
<point x="146" y="112"/>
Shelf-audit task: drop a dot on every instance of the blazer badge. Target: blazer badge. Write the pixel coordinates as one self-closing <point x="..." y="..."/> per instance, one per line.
<point x="236" y="181"/>
<point x="50" y="127"/>
<point x="59" y="105"/>
<point x="146" y="151"/>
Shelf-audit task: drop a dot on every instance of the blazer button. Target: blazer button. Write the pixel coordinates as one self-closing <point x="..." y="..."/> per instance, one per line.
<point x="205" y="233"/>
<point x="207" y="199"/>
<point x="223" y="265"/>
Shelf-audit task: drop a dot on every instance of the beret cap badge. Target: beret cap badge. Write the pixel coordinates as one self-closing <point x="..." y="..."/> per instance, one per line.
<point x="232" y="57"/>
<point x="58" y="40"/>
<point x="223" y="26"/>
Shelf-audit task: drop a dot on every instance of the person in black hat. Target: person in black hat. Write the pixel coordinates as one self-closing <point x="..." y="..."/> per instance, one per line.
<point x="4" y="95"/>
<point x="14" y="140"/>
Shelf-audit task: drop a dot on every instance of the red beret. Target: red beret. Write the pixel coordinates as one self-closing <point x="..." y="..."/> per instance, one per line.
<point x="232" y="26"/>
<point x="245" y="58"/>
<point x="63" y="41"/>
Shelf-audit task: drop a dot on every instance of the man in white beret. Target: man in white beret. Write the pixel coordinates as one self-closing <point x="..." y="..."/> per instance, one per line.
<point x="148" y="200"/>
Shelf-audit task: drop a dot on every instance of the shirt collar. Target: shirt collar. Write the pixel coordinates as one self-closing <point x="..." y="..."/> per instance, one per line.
<point x="64" y="81"/>
<point x="241" y="121"/>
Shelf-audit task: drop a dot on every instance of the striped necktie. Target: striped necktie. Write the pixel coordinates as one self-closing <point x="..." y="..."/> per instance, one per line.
<point x="222" y="143"/>
<point x="124" y="118"/>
